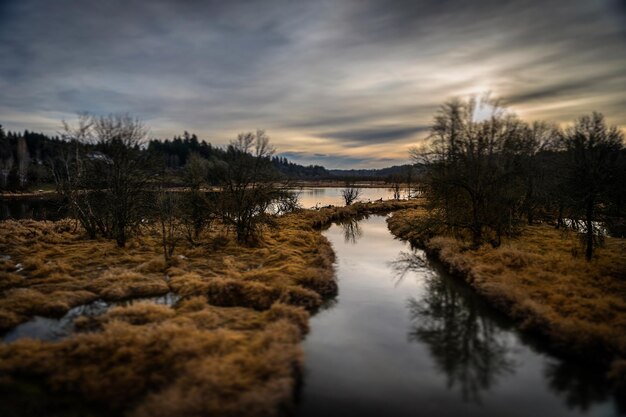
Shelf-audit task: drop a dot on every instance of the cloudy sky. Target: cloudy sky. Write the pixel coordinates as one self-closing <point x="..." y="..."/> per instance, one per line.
<point x="343" y="83"/>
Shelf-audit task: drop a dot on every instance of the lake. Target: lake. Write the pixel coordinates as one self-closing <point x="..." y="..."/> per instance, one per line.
<point x="311" y="197"/>
<point x="49" y="208"/>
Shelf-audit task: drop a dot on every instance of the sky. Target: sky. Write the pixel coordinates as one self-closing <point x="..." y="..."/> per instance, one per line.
<point x="341" y="83"/>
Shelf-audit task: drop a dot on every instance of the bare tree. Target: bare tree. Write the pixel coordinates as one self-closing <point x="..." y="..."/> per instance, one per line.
<point x="248" y="185"/>
<point x="198" y="209"/>
<point x="593" y="149"/>
<point x="70" y="173"/>
<point x="288" y="202"/>
<point x="536" y="140"/>
<point x="350" y="193"/>
<point x="168" y="207"/>
<point x="396" y="187"/>
<point x="470" y="183"/>
<point x="126" y="171"/>
<point x="106" y="180"/>
<point x="409" y="182"/>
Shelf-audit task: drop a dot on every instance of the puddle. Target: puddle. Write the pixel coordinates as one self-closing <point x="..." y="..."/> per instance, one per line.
<point x="50" y="329"/>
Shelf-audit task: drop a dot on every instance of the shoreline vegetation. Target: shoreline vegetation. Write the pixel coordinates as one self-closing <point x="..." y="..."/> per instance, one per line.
<point x="248" y="266"/>
<point x="231" y="344"/>
<point x="53" y="194"/>
<point x="542" y="281"/>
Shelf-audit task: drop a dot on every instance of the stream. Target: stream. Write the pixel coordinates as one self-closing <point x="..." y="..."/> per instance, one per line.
<point x="405" y="338"/>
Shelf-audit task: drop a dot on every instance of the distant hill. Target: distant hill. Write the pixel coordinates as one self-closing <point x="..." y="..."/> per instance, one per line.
<point x="300" y="172"/>
<point x="381" y="173"/>
<point x="317" y="172"/>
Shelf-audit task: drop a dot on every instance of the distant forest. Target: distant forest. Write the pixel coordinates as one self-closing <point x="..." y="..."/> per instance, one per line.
<point x="26" y="157"/>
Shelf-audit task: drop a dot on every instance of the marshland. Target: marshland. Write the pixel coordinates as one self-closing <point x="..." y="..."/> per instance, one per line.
<point x="330" y="208"/>
<point x="221" y="288"/>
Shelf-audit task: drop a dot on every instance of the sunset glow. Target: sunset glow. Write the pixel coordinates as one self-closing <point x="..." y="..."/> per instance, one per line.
<point x="360" y="80"/>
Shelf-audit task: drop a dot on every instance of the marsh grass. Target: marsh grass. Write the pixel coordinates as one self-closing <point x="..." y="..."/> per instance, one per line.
<point x="164" y="361"/>
<point x="229" y="347"/>
<point x="541" y="280"/>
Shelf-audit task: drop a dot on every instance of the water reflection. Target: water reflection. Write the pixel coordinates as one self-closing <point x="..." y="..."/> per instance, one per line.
<point x="474" y="351"/>
<point x="404" y="338"/>
<point x="316" y="197"/>
<point x="52" y="208"/>
<point x="582" y="387"/>
<point x="352" y="231"/>
<point x="41" y="208"/>
<point x="50" y="329"/>
<point x="465" y="344"/>
<point x="408" y="262"/>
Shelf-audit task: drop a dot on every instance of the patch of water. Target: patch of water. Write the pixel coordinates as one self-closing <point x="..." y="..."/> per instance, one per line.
<point x="316" y="197"/>
<point x="405" y="338"/>
<point x="50" y="329"/>
<point x="581" y="227"/>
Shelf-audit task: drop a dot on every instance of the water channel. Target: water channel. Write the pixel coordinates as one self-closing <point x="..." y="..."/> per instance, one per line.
<point x="404" y="338"/>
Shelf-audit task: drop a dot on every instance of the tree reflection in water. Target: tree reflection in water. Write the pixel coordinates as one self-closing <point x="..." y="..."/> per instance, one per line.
<point x="352" y="231"/>
<point x="466" y="345"/>
<point x="583" y="386"/>
<point x="470" y="346"/>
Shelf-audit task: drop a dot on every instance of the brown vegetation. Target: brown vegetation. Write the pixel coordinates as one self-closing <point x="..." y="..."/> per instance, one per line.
<point x="542" y="279"/>
<point x="230" y="345"/>
<point x="190" y="360"/>
<point x="147" y="359"/>
<point x="325" y="216"/>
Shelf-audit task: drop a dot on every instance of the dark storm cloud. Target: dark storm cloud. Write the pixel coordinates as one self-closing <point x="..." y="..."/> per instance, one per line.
<point x="568" y="87"/>
<point x="375" y="135"/>
<point x="620" y="10"/>
<point x="340" y="77"/>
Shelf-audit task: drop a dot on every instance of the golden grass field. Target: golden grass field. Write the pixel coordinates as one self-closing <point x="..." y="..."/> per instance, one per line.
<point x="232" y="344"/>
<point x="542" y="280"/>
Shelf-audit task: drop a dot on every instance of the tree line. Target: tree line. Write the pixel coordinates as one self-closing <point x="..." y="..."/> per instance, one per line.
<point x="25" y="158"/>
<point x="113" y="184"/>
<point x="487" y="176"/>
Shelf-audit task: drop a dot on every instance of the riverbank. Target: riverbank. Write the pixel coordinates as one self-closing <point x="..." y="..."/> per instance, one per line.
<point x="49" y="190"/>
<point x="537" y="280"/>
<point x="231" y="346"/>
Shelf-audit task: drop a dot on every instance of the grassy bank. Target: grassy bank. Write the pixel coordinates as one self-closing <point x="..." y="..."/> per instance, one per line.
<point x="542" y="280"/>
<point x="231" y="346"/>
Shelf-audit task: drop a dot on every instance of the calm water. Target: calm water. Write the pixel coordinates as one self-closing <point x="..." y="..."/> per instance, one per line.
<point x="310" y="197"/>
<point x="38" y="208"/>
<point x="50" y="329"/>
<point x="403" y="339"/>
<point x="47" y="208"/>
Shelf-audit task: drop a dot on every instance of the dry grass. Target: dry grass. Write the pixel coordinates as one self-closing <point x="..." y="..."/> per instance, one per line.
<point x="154" y="360"/>
<point x="325" y="216"/>
<point x="229" y="347"/>
<point x="538" y="280"/>
<point x="48" y="268"/>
